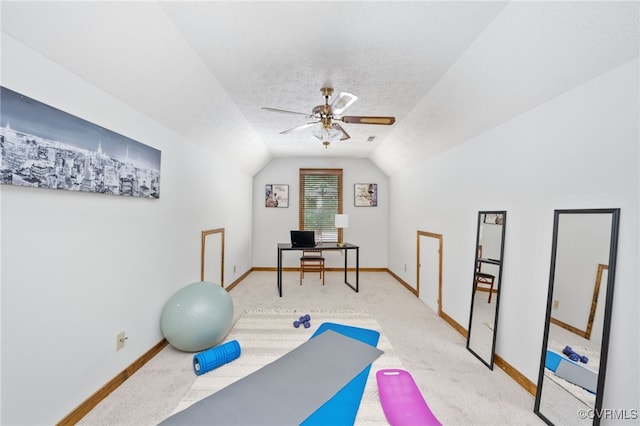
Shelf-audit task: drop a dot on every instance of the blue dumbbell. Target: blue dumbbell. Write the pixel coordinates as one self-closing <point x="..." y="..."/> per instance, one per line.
<point x="573" y="356"/>
<point x="304" y="321"/>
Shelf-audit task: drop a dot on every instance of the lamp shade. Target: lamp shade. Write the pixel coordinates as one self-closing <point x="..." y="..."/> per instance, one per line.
<point x="342" y="220"/>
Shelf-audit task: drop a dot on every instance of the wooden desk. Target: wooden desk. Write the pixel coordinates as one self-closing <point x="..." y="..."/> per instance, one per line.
<point x="323" y="246"/>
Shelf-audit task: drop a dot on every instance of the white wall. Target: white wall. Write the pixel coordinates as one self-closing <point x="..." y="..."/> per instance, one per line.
<point x="78" y="268"/>
<point x="579" y="150"/>
<point x="367" y="225"/>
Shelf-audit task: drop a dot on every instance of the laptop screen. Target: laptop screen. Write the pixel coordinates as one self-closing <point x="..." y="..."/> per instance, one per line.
<point x="303" y="238"/>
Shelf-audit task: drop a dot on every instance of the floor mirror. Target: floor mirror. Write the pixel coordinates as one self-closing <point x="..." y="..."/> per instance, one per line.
<point x="576" y="336"/>
<point x="487" y="281"/>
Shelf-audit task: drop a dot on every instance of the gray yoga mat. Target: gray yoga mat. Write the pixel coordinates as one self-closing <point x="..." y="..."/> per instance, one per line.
<point x="578" y="375"/>
<point x="288" y="390"/>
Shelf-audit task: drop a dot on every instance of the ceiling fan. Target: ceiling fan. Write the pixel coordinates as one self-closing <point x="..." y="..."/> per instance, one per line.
<point x="326" y="115"/>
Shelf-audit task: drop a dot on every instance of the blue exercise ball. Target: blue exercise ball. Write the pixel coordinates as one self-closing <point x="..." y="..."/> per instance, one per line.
<point x="197" y="317"/>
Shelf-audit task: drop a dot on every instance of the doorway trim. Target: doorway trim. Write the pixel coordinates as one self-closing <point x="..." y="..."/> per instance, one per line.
<point x="203" y="245"/>
<point x="439" y="238"/>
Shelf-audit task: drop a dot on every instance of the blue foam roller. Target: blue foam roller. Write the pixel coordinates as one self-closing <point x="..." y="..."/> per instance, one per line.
<point x="215" y="357"/>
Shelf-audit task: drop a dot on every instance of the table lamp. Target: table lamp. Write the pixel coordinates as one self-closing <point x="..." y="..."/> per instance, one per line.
<point x="342" y="221"/>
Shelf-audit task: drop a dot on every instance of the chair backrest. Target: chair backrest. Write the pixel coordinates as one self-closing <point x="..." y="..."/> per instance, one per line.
<point x="312" y="252"/>
<point x="479" y="264"/>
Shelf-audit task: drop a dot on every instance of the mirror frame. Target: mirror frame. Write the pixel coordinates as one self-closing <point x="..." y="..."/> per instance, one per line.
<point x="490" y="362"/>
<point x="608" y="303"/>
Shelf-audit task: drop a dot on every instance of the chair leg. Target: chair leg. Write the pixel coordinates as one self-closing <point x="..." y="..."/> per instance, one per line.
<point x="315" y="267"/>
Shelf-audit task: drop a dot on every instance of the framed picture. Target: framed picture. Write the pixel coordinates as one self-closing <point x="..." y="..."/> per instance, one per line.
<point x="44" y="147"/>
<point x="494" y="218"/>
<point x="366" y="194"/>
<point x="276" y="195"/>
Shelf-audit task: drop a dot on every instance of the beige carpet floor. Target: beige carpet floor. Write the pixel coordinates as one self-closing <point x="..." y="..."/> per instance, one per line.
<point x="459" y="389"/>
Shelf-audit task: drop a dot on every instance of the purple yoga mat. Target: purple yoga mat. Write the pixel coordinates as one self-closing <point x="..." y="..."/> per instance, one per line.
<point x="401" y="400"/>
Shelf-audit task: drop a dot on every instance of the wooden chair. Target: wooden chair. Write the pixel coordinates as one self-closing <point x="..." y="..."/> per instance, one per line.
<point x="482" y="278"/>
<point x="312" y="261"/>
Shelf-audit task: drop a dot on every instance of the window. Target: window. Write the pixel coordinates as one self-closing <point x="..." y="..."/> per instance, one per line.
<point x="320" y="200"/>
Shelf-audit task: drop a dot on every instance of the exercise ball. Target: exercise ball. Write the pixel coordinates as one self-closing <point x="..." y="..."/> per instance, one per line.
<point x="197" y="317"/>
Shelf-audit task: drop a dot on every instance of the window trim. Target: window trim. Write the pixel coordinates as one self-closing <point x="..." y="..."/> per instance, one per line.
<point x="316" y="172"/>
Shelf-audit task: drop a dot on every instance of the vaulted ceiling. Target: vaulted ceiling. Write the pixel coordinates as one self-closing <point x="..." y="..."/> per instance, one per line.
<point x="446" y="70"/>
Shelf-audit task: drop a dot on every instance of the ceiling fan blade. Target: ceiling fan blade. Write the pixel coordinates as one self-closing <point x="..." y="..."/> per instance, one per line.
<point x="368" y="120"/>
<point x="285" y="111"/>
<point x="295" y="129"/>
<point x="342" y="102"/>
<point x="345" y="135"/>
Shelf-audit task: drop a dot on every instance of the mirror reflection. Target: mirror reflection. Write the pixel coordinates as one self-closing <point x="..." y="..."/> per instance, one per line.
<point x="483" y="317"/>
<point x="573" y="358"/>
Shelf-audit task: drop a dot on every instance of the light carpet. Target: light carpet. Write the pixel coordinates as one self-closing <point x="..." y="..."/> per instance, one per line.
<point x="266" y="335"/>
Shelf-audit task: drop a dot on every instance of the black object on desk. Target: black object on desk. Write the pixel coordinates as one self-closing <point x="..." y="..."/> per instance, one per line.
<point x="303" y="238"/>
<point x="323" y="246"/>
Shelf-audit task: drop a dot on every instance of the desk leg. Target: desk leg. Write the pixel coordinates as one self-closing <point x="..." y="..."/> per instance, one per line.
<point x="346" y="255"/>
<point x="357" y="269"/>
<point x="280" y="272"/>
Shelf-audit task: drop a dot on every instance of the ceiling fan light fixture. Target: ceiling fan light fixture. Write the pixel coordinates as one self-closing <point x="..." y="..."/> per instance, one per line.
<point x="324" y="134"/>
<point x="327" y="115"/>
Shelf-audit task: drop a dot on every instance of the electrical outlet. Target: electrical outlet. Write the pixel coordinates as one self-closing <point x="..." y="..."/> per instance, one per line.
<point x="120" y="339"/>
<point x="556" y="303"/>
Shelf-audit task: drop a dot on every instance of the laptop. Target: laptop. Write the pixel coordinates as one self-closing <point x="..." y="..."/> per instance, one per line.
<point x="303" y="239"/>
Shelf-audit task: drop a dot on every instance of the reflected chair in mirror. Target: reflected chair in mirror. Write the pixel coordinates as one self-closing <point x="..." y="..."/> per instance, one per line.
<point x="312" y="261"/>
<point x="482" y="278"/>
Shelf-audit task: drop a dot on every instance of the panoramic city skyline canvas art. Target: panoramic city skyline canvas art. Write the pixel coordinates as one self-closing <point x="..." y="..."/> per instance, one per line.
<point x="42" y="146"/>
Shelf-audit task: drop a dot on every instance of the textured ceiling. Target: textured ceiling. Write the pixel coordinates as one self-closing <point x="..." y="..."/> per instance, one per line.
<point x="446" y="70"/>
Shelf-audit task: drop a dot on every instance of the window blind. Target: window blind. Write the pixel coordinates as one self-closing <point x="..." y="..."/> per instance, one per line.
<point x="320" y="200"/>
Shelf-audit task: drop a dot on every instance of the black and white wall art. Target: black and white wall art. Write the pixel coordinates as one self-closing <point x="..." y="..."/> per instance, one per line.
<point x="365" y="194"/>
<point x="41" y="146"/>
<point x="276" y="195"/>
